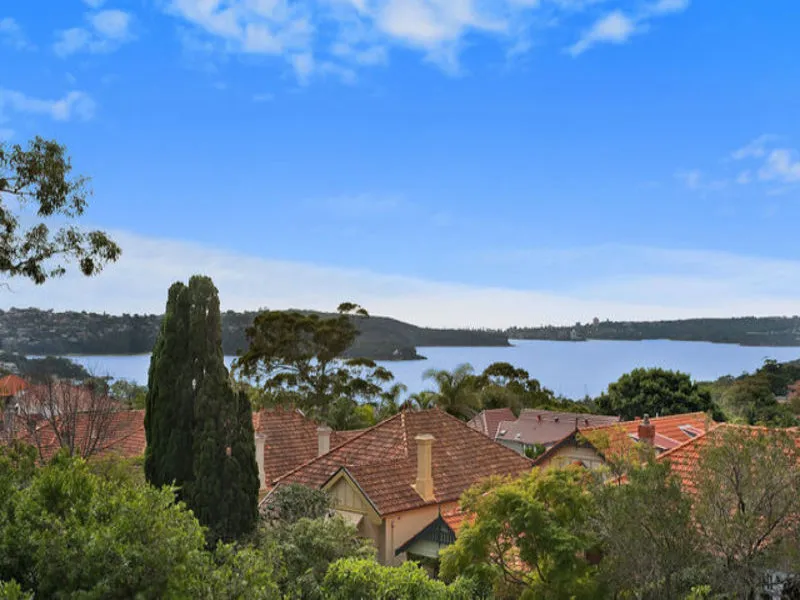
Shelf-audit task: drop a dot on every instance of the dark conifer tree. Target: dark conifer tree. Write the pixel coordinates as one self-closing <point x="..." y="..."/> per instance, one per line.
<point x="169" y="404"/>
<point x="222" y="485"/>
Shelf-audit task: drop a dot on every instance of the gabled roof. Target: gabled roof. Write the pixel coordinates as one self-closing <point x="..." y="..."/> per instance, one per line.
<point x="535" y="426"/>
<point x="685" y="459"/>
<point x="671" y="431"/>
<point x="487" y="421"/>
<point x="122" y="435"/>
<point x="11" y="385"/>
<point x="383" y="460"/>
<point x="437" y="531"/>
<point x="290" y="439"/>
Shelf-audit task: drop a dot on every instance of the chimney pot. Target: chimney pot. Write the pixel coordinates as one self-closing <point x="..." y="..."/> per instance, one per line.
<point x="424" y="483"/>
<point x="647" y="431"/>
<point x="323" y="439"/>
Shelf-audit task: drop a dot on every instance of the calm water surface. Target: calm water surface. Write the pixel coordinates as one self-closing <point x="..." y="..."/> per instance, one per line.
<point x="573" y="369"/>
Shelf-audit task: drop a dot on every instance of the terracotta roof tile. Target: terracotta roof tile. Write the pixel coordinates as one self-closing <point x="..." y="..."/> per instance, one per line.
<point x="383" y="460"/>
<point x="685" y="458"/>
<point x="546" y="427"/>
<point x="291" y="439"/>
<point x="11" y="385"/>
<point x="487" y="421"/>
<point x="123" y="435"/>
<point x="671" y="431"/>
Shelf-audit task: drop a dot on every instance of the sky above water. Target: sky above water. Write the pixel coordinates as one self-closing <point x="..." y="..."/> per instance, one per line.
<point x="447" y="162"/>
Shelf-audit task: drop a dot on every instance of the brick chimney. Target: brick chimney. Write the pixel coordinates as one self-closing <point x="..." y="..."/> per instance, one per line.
<point x="323" y="439"/>
<point x="424" y="483"/>
<point x="647" y="431"/>
<point x="262" y="477"/>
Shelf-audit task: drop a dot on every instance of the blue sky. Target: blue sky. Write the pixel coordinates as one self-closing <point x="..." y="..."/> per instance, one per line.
<point x="475" y="162"/>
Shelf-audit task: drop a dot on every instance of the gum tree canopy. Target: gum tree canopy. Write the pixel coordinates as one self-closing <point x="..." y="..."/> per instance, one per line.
<point x="300" y="359"/>
<point x="38" y="178"/>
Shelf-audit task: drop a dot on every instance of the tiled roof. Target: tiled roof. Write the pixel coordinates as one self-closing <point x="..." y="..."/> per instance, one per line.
<point x="487" y="421"/>
<point x="671" y="431"/>
<point x="11" y="385"/>
<point x="291" y="439"/>
<point x="383" y="460"/>
<point x="685" y="458"/>
<point x="123" y="435"/>
<point x="546" y="427"/>
<point x="455" y="518"/>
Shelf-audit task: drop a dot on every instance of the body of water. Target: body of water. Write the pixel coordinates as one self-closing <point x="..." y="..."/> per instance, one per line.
<point x="573" y="369"/>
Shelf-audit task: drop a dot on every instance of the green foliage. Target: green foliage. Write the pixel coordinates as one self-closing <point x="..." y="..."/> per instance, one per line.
<point x="529" y="536"/>
<point x="365" y="579"/>
<point x="654" y="392"/>
<point x="68" y="533"/>
<point x="747" y="504"/>
<point x="534" y="451"/>
<point x="11" y="590"/>
<point x="290" y="503"/>
<point x="300" y="359"/>
<point x="169" y="416"/>
<point x="751" y="400"/>
<point x="457" y="392"/>
<point x="129" y="393"/>
<point x="199" y="431"/>
<point x="39" y="176"/>
<point x="651" y="514"/>
<point x="304" y="550"/>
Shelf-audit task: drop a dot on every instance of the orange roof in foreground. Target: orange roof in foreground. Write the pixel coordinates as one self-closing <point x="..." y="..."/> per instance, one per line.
<point x="10" y="385"/>
<point x="685" y="459"/>
<point x="671" y="431"/>
<point x="291" y="440"/>
<point x="383" y="460"/>
<point x="123" y="435"/>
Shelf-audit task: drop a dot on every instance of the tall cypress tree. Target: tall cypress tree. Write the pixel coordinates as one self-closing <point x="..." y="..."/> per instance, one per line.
<point x="169" y="404"/>
<point x="191" y="389"/>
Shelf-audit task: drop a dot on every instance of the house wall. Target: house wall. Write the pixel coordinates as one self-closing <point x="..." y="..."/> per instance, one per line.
<point x="401" y="527"/>
<point x="566" y="455"/>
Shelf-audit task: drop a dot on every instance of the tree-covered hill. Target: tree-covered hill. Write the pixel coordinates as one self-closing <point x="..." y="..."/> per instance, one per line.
<point x="40" y="332"/>
<point x="747" y="331"/>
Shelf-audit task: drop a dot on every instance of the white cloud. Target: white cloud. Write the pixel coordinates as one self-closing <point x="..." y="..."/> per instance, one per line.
<point x="74" y="105"/>
<point x="617" y="27"/>
<point x="754" y="149"/>
<point x="112" y="24"/>
<point x="94" y="3"/>
<point x="11" y="34"/>
<point x="264" y="97"/>
<point x="783" y="165"/>
<point x="614" y="28"/>
<point x="744" y="177"/>
<point x="662" y="284"/>
<point x="107" y="31"/>
<point x="664" y="7"/>
<point x="695" y="180"/>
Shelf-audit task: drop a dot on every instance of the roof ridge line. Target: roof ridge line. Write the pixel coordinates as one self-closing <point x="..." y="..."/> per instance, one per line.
<point x="346" y="442"/>
<point x="714" y="427"/>
<point x="473" y="431"/>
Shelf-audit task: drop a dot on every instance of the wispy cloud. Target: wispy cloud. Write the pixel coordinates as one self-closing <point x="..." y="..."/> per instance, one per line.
<point x="762" y="164"/>
<point x="622" y="283"/>
<point x="11" y="34"/>
<point x="617" y="27"/>
<point x="614" y="28"/>
<point x="107" y="30"/>
<point x="341" y="36"/>
<point x="263" y="97"/>
<point x="94" y="3"/>
<point x="754" y="149"/>
<point x="74" y="105"/>
<point x="695" y="180"/>
<point x="781" y="164"/>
